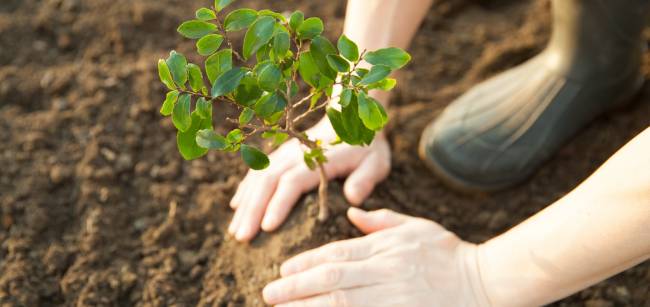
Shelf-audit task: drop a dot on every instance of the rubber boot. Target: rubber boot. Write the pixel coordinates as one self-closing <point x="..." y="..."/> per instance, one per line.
<point x="498" y="133"/>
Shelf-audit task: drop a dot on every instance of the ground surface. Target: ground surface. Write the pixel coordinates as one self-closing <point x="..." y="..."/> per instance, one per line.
<point x="97" y="207"/>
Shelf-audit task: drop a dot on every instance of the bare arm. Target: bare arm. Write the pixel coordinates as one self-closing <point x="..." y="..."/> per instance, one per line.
<point x="375" y="24"/>
<point x="596" y="231"/>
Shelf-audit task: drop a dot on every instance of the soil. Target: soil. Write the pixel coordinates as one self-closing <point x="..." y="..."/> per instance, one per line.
<point x="98" y="208"/>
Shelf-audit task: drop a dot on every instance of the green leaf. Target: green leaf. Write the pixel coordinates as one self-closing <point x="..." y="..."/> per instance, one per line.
<point x="394" y="58"/>
<point x="196" y="29"/>
<point x="308" y="69"/>
<point x="209" y="139"/>
<point x="240" y="19"/>
<point x="254" y="158"/>
<point x="165" y="75"/>
<point x="278" y="137"/>
<point x="281" y="44"/>
<point x="338" y="63"/>
<point x="384" y="85"/>
<point x="346" y="96"/>
<point x="168" y="105"/>
<point x="320" y="47"/>
<point x="270" y="78"/>
<point x="209" y="44"/>
<point x="204" y="108"/>
<point x="196" y="77"/>
<point x="348" y="48"/>
<point x="228" y="82"/>
<point x="273" y="14"/>
<point x="296" y="19"/>
<point x="258" y="35"/>
<point x="359" y="134"/>
<point x="269" y="105"/>
<point x="246" y="116"/>
<point x="217" y="64"/>
<point x="336" y="120"/>
<point x="377" y="73"/>
<point x="314" y="99"/>
<point x="361" y="72"/>
<point x="248" y="92"/>
<point x="181" y="113"/>
<point x="371" y="112"/>
<point x="310" y="28"/>
<point x="221" y="4"/>
<point x="186" y="141"/>
<point x="205" y="14"/>
<point x="177" y="64"/>
<point x="235" y="136"/>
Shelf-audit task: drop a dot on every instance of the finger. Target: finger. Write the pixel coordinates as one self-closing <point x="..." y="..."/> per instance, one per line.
<point x="254" y="206"/>
<point x="362" y="181"/>
<point x="369" y="222"/>
<point x="241" y="191"/>
<point x="331" y="277"/>
<point x="376" y="295"/>
<point x="236" y="219"/>
<point x="292" y="184"/>
<point x="281" y="160"/>
<point x="341" y="251"/>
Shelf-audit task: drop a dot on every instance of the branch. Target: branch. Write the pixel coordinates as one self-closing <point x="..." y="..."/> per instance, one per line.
<point x="227" y="39"/>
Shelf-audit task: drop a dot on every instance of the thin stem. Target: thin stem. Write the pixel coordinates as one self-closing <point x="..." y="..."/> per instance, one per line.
<point x="227" y="39"/>
<point x="323" y="212"/>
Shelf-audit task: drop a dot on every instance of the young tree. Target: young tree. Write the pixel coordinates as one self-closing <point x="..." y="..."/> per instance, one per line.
<point x="262" y="81"/>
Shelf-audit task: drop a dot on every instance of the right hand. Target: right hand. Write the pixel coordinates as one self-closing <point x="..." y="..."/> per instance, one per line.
<point x="265" y="198"/>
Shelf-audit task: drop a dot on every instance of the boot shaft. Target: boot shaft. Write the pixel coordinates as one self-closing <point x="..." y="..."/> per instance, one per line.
<point x="592" y="37"/>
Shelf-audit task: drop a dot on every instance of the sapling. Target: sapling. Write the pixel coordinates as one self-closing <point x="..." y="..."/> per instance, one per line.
<point x="280" y="55"/>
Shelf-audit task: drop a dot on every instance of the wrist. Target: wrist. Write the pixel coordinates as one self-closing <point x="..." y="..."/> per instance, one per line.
<point x="470" y="269"/>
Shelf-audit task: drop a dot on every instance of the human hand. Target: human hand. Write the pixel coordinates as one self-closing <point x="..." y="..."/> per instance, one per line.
<point x="403" y="261"/>
<point x="265" y="198"/>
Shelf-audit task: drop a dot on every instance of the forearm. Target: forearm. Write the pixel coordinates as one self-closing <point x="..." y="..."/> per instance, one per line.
<point x="376" y="24"/>
<point x="596" y="231"/>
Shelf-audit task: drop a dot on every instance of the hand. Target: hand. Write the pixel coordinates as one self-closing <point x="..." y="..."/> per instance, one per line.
<point x="266" y="197"/>
<point x="404" y="261"/>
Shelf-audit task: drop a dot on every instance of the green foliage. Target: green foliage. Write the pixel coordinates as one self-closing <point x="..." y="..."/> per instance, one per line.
<point x="196" y="28"/>
<point x="394" y="58"/>
<point x="258" y="35"/>
<point x="348" y="48"/>
<point x="209" y="44"/>
<point x="177" y="64"/>
<point x="262" y="80"/>
<point x="310" y="28"/>
<point x="205" y="14"/>
<point x="186" y="140"/>
<point x="240" y="19"/>
<point x="253" y="157"/>
<point x="181" y="113"/>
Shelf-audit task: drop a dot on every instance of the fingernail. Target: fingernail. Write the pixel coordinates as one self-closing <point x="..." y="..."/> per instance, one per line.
<point x="231" y="228"/>
<point x="268" y="222"/>
<point x="270" y="294"/>
<point x="242" y="233"/>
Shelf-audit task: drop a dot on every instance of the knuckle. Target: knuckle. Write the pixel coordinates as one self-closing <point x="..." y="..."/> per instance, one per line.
<point x="331" y="275"/>
<point x="338" y="298"/>
<point x="339" y="253"/>
<point x="290" y="178"/>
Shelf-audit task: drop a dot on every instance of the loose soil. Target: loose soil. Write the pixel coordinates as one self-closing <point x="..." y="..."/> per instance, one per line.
<point x="98" y="208"/>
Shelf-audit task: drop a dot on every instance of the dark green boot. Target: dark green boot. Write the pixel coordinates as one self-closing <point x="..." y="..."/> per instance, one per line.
<point x="498" y="133"/>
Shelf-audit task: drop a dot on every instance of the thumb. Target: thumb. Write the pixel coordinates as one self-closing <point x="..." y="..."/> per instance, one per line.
<point x="369" y="222"/>
<point x="363" y="179"/>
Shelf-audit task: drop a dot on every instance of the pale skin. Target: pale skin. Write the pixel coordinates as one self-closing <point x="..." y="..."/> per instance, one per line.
<point x="597" y="230"/>
<point x="372" y="24"/>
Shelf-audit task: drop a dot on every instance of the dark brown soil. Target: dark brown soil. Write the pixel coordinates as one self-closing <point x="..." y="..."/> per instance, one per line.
<point x="98" y="208"/>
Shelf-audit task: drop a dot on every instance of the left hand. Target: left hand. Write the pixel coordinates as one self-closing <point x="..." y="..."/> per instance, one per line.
<point x="403" y="261"/>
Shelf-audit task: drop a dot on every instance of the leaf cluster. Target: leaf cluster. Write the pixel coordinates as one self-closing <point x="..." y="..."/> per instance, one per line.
<point x="262" y="80"/>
